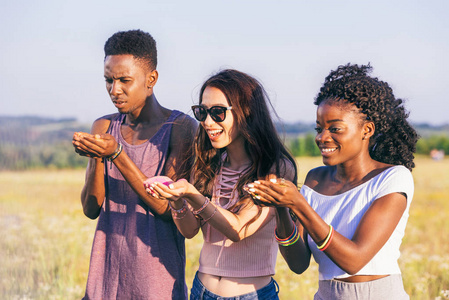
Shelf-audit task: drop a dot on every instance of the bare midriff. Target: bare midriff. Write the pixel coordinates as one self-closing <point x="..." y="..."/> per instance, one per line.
<point x="232" y="286"/>
<point x="361" y="278"/>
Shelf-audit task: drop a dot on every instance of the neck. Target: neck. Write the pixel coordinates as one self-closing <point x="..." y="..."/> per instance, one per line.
<point x="237" y="157"/>
<point x="150" y="112"/>
<point x="355" y="171"/>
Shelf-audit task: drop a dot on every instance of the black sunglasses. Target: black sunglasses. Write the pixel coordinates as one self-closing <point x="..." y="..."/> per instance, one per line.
<point x="217" y="113"/>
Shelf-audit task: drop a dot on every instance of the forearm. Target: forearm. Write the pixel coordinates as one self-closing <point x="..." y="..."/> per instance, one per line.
<point x="233" y="225"/>
<point x="224" y="221"/>
<point x="350" y="254"/>
<point x="135" y="178"/>
<point x="93" y="193"/>
<point x="184" y="219"/>
<point x="345" y="253"/>
<point x="297" y="255"/>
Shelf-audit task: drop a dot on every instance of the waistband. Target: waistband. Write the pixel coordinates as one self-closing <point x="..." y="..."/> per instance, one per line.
<point x="200" y="292"/>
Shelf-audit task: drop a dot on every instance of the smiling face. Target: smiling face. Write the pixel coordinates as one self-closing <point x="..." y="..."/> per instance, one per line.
<point x="128" y="83"/>
<point x="342" y="136"/>
<point x="221" y="134"/>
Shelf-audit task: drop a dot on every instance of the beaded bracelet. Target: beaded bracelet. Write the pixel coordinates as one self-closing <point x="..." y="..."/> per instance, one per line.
<point x="210" y="217"/>
<point x="200" y="210"/>
<point x="177" y="212"/>
<point x="116" y="153"/>
<point x="293" y="238"/>
<point x="326" y="242"/>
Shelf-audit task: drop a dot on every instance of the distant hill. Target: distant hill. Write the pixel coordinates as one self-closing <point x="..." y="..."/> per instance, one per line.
<point x="37" y="142"/>
<point x="293" y="130"/>
<point x="426" y="130"/>
<point x="301" y="128"/>
<point x="25" y="130"/>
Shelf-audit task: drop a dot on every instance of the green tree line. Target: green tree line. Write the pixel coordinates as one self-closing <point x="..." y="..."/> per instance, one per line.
<point x="61" y="155"/>
<point x="438" y="142"/>
<point x="58" y="155"/>
<point x="31" y="142"/>
<point x="36" y="142"/>
<point x="305" y="145"/>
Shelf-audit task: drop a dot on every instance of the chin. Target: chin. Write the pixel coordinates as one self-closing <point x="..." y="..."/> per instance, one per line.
<point x="218" y="145"/>
<point x="123" y="111"/>
<point x="328" y="162"/>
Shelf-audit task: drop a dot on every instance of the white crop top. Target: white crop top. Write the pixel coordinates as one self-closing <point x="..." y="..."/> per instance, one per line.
<point x="344" y="212"/>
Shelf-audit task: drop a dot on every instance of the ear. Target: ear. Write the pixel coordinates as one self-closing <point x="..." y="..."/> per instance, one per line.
<point x="368" y="130"/>
<point x="152" y="79"/>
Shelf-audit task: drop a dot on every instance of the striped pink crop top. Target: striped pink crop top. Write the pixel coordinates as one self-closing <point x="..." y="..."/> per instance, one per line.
<point x="253" y="256"/>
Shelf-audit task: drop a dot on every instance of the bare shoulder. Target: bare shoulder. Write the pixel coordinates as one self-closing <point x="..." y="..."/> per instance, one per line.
<point x="286" y="170"/>
<point x="101" y="124"/>
<point x="317" y="175"/>
<point x="184" y="128"/>
<point x="185" y="122"/>
<point x="290" y="170"/>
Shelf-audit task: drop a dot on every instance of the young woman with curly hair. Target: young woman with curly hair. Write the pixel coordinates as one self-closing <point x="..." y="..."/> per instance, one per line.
<point x="236" y="144"/>
<point x="352" y="212"/>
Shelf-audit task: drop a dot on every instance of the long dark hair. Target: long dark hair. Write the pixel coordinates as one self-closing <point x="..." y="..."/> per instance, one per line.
<point x="250" y="108"/>
<point x="394" y="140"/>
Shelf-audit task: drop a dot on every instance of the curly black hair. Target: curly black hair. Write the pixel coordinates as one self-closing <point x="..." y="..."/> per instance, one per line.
<point x="138" y="43"/>
<point x="394" y="140"/>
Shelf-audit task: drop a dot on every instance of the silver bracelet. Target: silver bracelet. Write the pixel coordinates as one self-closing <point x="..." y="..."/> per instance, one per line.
<point x="200" y="210"/>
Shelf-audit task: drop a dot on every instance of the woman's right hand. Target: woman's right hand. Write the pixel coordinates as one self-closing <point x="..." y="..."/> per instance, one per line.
<point x="275" y="192"/>
<point x="162" y="187"/>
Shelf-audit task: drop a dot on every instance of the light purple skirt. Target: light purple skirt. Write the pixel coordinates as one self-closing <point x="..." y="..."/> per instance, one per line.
<point x="390" y="287"/>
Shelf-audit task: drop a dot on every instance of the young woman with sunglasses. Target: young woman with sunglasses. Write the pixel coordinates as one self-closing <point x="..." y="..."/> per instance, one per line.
<point x="236" y="144"/>
<point x="355" y="208"/>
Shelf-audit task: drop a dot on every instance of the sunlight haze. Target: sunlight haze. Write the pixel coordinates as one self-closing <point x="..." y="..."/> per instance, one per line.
<point x="52" y="51"/>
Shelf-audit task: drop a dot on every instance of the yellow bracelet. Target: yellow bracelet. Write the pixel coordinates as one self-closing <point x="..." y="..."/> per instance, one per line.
<point x="327" y="238"/>
<point x="295" y="239"/>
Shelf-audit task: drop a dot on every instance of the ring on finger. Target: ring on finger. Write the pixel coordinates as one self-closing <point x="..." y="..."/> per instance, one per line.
<point x="255" y="196"/>
<point x="282" y="182"/>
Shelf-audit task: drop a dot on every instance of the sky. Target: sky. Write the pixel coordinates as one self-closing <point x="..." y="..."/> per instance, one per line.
<point x="51" y="61"/>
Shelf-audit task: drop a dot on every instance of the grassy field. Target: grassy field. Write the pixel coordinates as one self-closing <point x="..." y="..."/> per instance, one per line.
<point x="45" y="240"/>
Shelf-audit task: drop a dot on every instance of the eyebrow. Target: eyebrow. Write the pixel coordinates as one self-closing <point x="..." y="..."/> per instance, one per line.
<point x="117" y="77"/>
<point x="219" y="104"/>
<point x="332" y="121"/>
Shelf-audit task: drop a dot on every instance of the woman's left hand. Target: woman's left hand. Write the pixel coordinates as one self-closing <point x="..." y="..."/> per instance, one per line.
<point x="275" y="192"/>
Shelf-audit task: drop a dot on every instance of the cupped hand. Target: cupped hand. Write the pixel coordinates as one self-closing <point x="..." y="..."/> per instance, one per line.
<point x="94" y="145"/>
<point x="159" y="187"/>
<point x="274" y="192"/>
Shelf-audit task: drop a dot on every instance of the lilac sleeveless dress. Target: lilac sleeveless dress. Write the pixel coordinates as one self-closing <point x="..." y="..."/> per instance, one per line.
<point x="136" y="254"/>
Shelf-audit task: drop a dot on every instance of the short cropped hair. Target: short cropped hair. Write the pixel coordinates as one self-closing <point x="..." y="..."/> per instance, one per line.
<point x="138" y="43"/>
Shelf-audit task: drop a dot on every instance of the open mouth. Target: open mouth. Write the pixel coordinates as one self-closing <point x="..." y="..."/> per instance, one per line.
<point x="327" y="150"/>
<point x="214" y="134"/>
<point x="119" y="103"/>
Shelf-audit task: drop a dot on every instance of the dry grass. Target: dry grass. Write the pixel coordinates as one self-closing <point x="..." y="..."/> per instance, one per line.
<point x="46" y="240"/>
